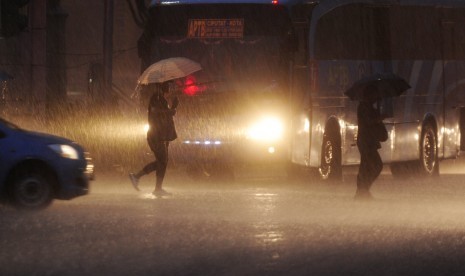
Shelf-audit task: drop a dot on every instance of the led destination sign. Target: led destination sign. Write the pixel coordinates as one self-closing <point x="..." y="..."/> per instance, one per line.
<point x="215" y="28"/>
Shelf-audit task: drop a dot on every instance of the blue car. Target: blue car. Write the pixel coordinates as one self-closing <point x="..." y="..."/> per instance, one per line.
<point x="36" y="168"/>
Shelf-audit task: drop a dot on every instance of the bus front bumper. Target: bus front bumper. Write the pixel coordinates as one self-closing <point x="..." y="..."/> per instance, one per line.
<point x="238" y="152"/>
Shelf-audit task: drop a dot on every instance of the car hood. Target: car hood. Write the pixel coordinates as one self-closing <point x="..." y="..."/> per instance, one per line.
<point x="45" y="138"/>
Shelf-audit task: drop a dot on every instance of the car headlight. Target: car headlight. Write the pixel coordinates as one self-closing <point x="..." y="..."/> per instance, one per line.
<point x="65" y="151"/>
<point x="266" y="129"/>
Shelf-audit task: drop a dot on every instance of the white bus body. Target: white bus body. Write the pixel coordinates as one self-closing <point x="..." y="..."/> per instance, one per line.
<point x="343" y="41"/>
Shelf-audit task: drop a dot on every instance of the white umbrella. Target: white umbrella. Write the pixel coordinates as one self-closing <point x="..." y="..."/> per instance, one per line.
<point x="168" y="69"/>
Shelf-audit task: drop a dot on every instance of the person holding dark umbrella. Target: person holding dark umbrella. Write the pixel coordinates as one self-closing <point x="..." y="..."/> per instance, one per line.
<point x="161" y="132"/>
<point x="368" y="143"/>
<point x="371" y="129"/>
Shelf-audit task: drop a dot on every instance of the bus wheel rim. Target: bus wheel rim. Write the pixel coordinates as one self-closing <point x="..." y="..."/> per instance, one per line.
<point x="429" y="150"/>
<point x="327" y="159"/>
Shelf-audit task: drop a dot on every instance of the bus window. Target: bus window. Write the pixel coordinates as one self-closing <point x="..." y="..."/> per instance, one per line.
<point x="415" y="33"/>
<point x="353" y="32"/>
<point x="233" y="43"/>
<point x="301" y="15"/>
<point x="453" y="24"/>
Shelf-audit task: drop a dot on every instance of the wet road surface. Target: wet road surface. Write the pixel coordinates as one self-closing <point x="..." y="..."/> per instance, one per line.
<point x="254" y="226"/>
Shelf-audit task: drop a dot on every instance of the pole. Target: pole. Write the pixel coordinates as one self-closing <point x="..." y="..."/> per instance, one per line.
<point x="56" y="60"/>
<point x="108" y="49"/>
<point x="38" y="59"/>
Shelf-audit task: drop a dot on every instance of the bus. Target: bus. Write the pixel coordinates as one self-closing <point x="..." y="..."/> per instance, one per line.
<point x="340" y="42"/>
<point x="235" y="110"/>
<point x="275" y="71"/>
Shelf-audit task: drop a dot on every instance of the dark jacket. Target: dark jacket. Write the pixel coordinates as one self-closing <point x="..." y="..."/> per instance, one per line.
<point x="367" y="117"/>
<point x="160" y="118"/>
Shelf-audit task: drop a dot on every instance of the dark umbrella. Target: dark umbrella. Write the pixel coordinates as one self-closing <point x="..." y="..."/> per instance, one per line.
<point x="385" y="85"/>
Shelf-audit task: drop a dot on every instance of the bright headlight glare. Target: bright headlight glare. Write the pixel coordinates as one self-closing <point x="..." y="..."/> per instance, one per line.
<point x="266" y="129"/>
<point x="65" y="151"/>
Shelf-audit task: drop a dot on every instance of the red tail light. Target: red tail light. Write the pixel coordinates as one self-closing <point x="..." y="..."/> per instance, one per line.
<point x="191" y="87"/>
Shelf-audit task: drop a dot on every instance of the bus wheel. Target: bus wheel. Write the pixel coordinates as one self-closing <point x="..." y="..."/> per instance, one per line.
<point x="428" y="164"/>
<point x="330" y="168"/>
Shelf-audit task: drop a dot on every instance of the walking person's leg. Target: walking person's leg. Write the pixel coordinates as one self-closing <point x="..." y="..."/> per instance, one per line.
<point x="371" y="166"/>
<point x="362" y="172"/>
<point x="364" y="175"/>
<point x="161" y="154"/>
<point x="134" y="177"/>
<point x="375" y="166"/>
<point x="150" y="167"/>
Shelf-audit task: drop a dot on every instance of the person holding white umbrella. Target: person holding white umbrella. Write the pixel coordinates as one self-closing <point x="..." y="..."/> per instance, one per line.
<point x="160" y="115"/>
<point x="161" y="132"/>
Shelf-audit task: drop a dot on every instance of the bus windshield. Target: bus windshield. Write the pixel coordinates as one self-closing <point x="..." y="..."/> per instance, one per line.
<point x="239" y="48"/>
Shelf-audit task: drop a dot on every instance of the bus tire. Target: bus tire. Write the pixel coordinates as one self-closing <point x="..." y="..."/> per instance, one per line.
<point x="428" y="164"/>
<point x="330" y="166"/>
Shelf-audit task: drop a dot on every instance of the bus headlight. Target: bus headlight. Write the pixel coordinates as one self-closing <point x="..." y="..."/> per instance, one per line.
<point x="266" y="129"/>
